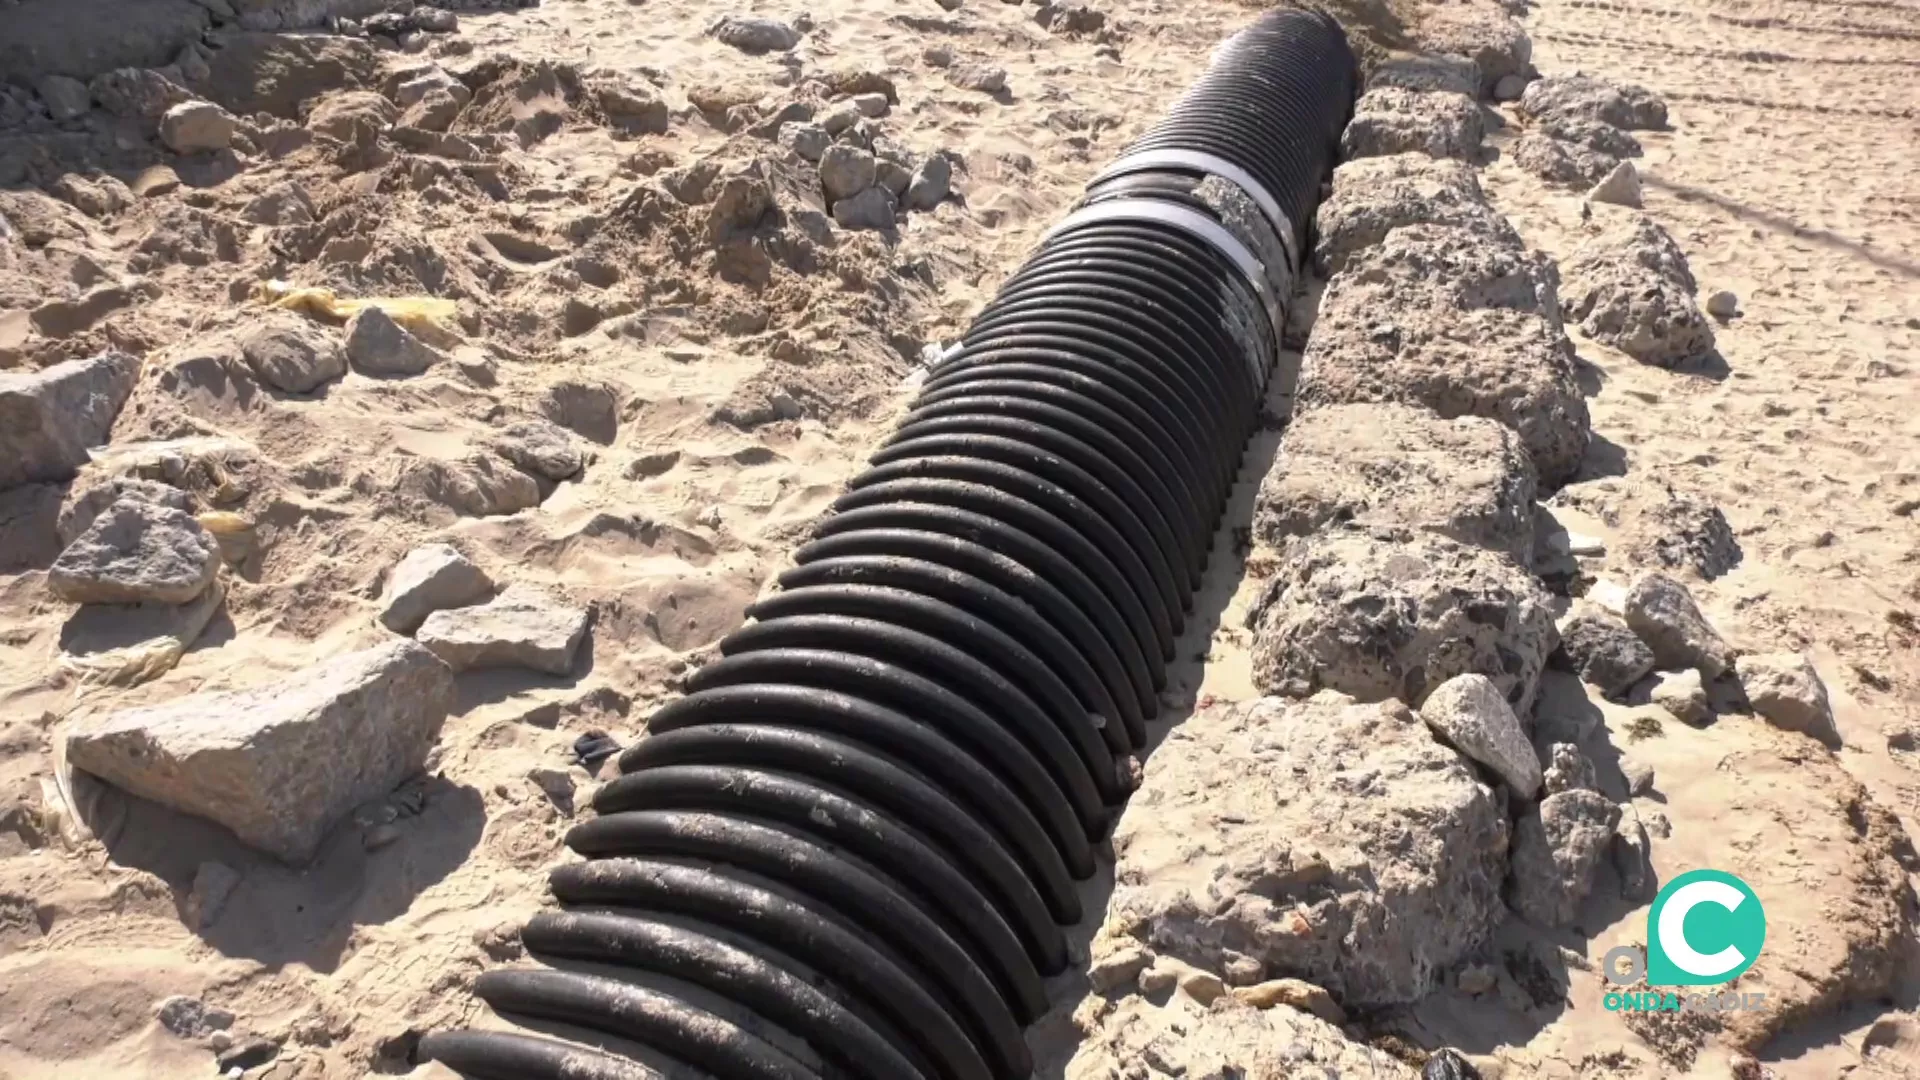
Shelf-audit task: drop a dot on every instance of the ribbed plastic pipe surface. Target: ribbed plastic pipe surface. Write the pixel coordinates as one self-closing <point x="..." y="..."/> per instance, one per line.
<point x="851" y="849"/>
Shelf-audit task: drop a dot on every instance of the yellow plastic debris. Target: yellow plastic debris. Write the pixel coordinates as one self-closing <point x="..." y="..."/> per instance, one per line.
<point x="220" y="522"/>
<point x="416" y="313"/>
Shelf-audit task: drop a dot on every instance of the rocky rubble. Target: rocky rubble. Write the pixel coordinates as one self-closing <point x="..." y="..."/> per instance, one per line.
<point x="1467" y="479"/>
<point x="1629" y="287"/>
<point x="1382" y="614"/>
<point x="1371" y="197"/>
<point x="1313" y="865"/>
<point x="1435" y="317"/>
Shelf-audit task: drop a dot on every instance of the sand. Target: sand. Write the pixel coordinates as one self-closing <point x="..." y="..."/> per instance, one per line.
<point x="1789" y="178"/>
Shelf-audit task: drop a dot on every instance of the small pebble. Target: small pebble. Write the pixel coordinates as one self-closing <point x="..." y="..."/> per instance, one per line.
<point x="1722" y="304"/>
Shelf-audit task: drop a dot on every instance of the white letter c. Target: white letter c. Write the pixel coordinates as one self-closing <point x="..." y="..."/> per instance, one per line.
<point x="1673" y="933"/>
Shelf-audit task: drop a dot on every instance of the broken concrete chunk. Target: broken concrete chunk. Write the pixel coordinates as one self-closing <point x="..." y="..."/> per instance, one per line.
<point x="1467" y="479"/>
<point x="1663" y="613"/>
<point x="1555" y="852"/>
<point x="1373" y="196"/>
<point x="1396" y="121"/>
<point x="1600" y="648"/>
<point x="1630" y="287"/>
<point x="1325" y="840"/>
<point x="1786" y="691"/>
<point x="49" y="418"/>
<point x="136" y="552"/>
<point x="522" y="627"/>
<point x="1390" y="614"/>
<point x="281" y="764"/>
<point x="432" y="577"/>
<point x="1434" y="316"/>
<point x="1469" y="712"/>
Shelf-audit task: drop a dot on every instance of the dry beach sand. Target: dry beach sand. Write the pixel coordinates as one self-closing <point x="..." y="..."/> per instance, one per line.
<point x="667" y="357"/>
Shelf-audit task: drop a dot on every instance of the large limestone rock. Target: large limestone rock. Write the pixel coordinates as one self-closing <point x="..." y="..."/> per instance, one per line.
<point x="1434" y="316"/>
<point x="1134" y="1038"/>
<point x="290" y="353"/>
<point x="281" y="764"/>
<point x="1556" y="850"/>
<point x="1323" y="840"/>
<point x="1373" y="196"/>
<point x="1629" y="287"/>
<point x="1393" y="614"/>
<point x="137" y="552"/>
<point x="1482" y="33"/>
<point x="49" y="418"/>
<point x="432" y="577"/>
<point x="89" y="497"/>
<point x="1396" y="121"/>
<point x="1428" y="72"/>
<point x="1602" y="649"/>
<point x="1623" y="105"/>
<point x="522" y="627"/>
<point x="1467" y="479"/>
<point x="1663" y="613"/>
<point x="1785" y="689"/>
<point x="1558" y="161"/>
<point x="1469" y="713"/>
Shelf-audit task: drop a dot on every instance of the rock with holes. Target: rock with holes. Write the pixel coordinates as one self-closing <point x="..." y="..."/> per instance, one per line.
<point x="1602" y="649"/>
<point x="289" y="353"/>
<point x="1576" y="95"/>
<point x="1557" y="161"/>
<point x="136" y="552"/>
<point x="1428" y="72"/>
<point x="1786" y="691"/>
<point x="1434" y="316"/>
<point x="432" y="577"/>
<point x="1467" y="479"/>
<point x="1664" y="614"/>
<point x="1568" y="770"/>
<point x="1591" y="135"/>
<point x="1629" y="287"/>
<point x="1382" y="613"/>
<point x="522" y="627"/>
<point x="1136" y="1038"/>
<point x="1469" y="712"/>
<point x="1556" y="850"/>
<point x="1483" y="33"/>
<point x="49" y="418"/>
<point x="281" y="764"/>
<point x="1396" y="121"/>
<point x="1372" y="197"/>
<point x="377" y="345"/>
<point x="1322" y="840"/>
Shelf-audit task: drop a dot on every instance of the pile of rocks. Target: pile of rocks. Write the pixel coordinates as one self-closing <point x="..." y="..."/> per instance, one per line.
<point x="1577" y="134"/>
<point x="866" y="178"/>
<point x="1629" y="286"/>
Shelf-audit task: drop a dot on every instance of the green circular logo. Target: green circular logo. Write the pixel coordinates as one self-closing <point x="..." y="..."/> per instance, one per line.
<point x="1705" y="928"/>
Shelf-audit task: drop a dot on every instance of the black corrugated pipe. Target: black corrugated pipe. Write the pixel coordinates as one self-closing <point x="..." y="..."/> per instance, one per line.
<point x="850" y="849"/>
